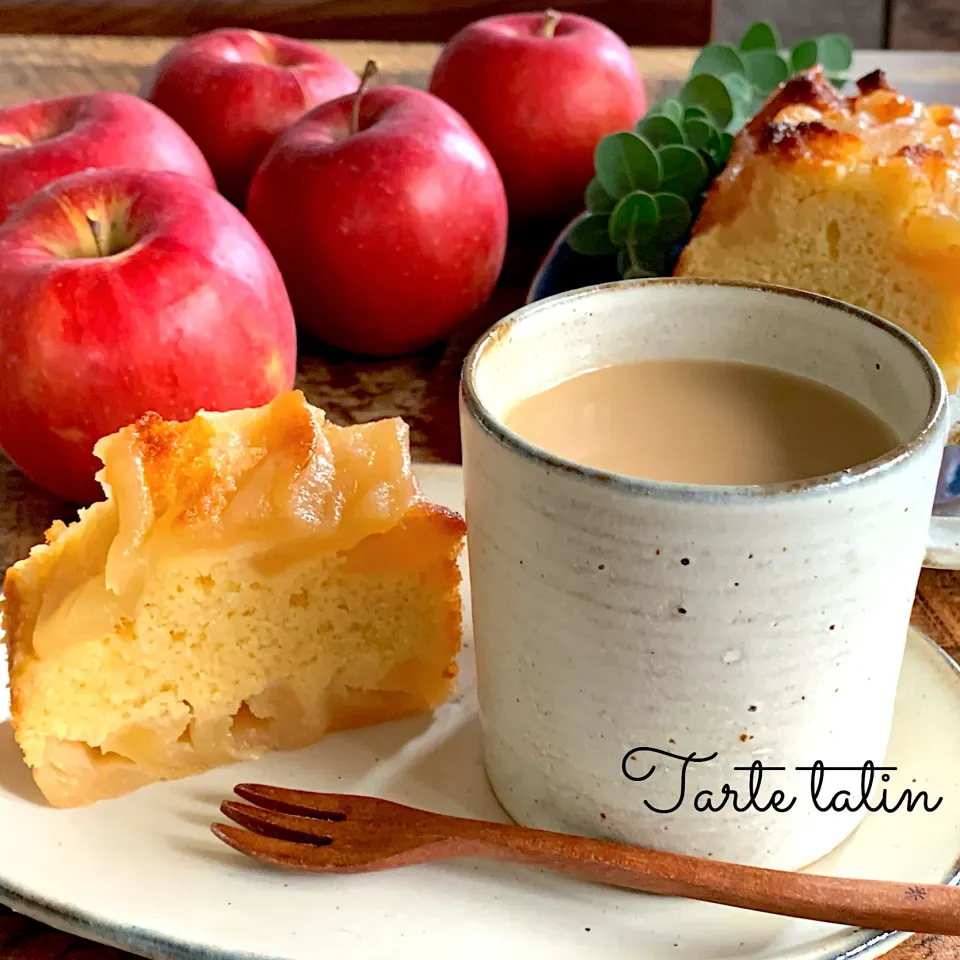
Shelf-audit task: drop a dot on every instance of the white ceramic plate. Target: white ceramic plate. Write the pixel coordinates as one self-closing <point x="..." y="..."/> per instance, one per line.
<point x="144" y="873"/>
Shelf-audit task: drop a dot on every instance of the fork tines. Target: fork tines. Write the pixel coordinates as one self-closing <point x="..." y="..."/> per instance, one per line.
<point x="323" y="806"/>
<point x="318" y="832"/>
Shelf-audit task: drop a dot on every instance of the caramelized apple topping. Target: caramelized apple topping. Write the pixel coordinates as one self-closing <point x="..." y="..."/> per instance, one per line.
<point x="276" y="473"/>
<point x="275" y="484"/>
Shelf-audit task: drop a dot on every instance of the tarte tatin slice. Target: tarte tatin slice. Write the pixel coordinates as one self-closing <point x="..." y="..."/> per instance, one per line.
<point x="852" y="197"/>
<point x="253" y="580"/>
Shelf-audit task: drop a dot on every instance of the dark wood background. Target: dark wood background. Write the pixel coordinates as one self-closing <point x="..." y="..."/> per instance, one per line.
<point x="647" y="22"/>
<point x="925" y="24"/>
<point x="872" y="24"/>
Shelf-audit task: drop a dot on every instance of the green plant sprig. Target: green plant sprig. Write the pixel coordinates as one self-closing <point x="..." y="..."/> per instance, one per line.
<point x="650" y="183"/>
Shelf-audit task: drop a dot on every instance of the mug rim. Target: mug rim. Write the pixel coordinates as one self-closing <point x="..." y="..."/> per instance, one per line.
<point x="499" y="431"/>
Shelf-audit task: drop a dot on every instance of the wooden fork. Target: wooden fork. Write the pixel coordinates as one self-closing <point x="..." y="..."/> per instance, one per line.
<point x="341" y="833"/>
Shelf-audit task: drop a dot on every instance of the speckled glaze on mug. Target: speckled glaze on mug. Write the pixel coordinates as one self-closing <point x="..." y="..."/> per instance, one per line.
<point x="761" y="623"/>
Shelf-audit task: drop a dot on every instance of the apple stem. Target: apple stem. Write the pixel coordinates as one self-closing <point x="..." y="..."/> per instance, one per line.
<point x="550" y="21"/>
<point x="96" y="228"/>
<point x="369" y="72"/>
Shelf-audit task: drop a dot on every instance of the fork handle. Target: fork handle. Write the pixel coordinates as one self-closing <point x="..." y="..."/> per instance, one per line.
<point x="871" y="904"/>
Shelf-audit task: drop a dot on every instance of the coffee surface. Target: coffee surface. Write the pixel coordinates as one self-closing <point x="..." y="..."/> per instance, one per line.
<point x="702" y="421"/>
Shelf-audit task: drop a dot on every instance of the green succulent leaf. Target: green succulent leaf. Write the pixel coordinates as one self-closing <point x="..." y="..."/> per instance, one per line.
<point x="709" y="92"/>
<point x="698" y="132"/>
<point x="649" y="257"/>
<point x="596" y="199"/>
<point x="668" y="108"/>
<point x="626" y="162"/>
<point x="803" y="56"/>
<point x="674" y="217"/>
<point x="718" y="150"/>
<point x="835" y="52"/>
<point x="696" y="111"/>
<point x="714" y="148"/>
<point x="674" y="110"/>
<point x="760" y="36"/>
<point x="591" y="236"/>
<point x="685" y="172"/>
<point x="718" y="59"/>
<point x="633" y="218"/>
<point x="766" y="69"/>
<point x="660" y="130"/>
<point x="740" y="88"/>
<point x="742" y="97"/>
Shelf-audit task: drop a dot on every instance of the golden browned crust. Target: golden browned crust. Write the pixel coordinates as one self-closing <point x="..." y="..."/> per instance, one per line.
<point x="19" y="608"/>
<point x="806" y="139"/>
<point x="875" y="99"/>
<point x="185" y="469"/>
<point x="806" y="122"/>
<point x="453" y="525"/>
<point x="808" y="89"/>
<point x="877" y="80"/>
<point x="12" y="621"/>
<point x="178" y="467"/>
<point x="452" y="528"/>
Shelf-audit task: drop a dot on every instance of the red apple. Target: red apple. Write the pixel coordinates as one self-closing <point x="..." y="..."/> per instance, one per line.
<point x="124" y="291"/>
<point x="541" y="90"/>
<point x="43" y="140"/>
<point x="387" y="218"/>
<point x="235" y="91"/>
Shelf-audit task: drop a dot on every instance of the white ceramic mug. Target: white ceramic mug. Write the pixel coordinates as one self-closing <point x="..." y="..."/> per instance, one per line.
<point x="622" y="625"/>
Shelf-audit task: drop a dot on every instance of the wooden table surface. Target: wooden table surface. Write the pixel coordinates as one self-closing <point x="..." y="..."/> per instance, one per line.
<point x="422" y="388"/>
